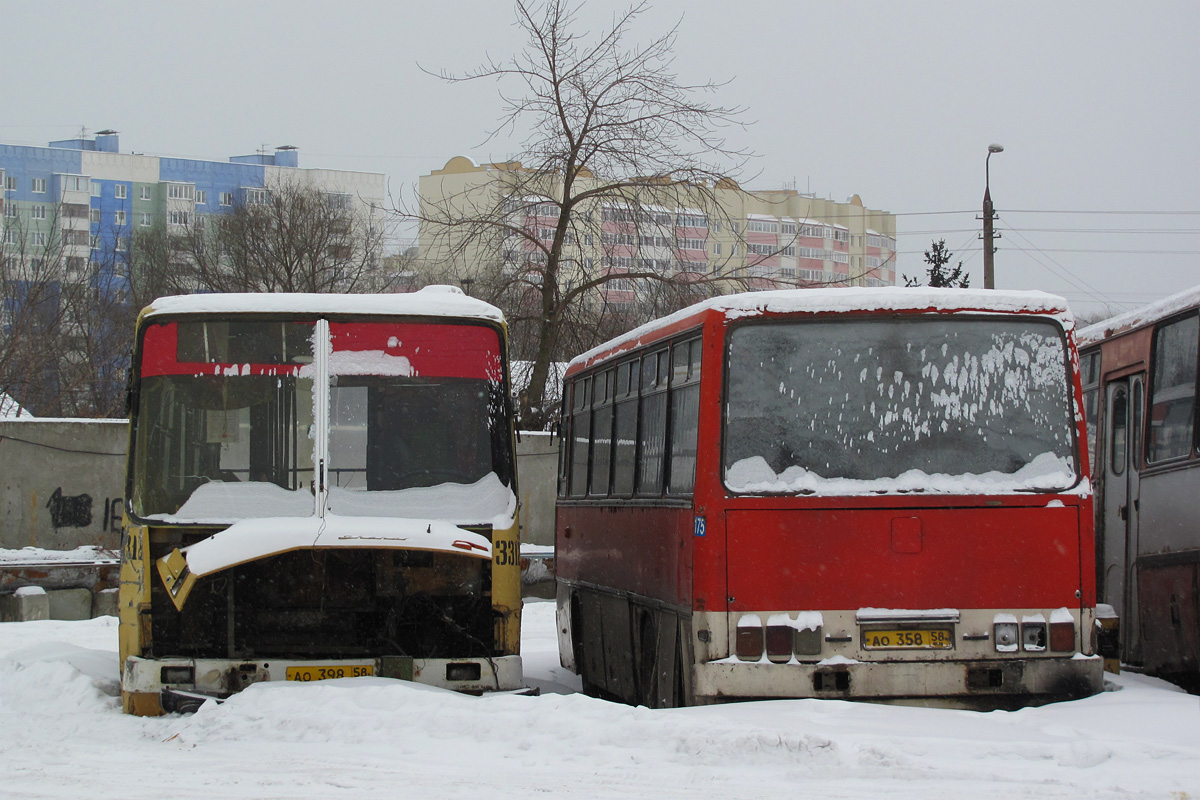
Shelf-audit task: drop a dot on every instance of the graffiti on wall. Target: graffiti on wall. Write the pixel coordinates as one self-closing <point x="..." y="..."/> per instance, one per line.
<point x="69" y="511"/>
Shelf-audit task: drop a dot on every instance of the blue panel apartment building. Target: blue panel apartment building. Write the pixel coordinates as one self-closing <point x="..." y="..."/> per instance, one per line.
<point x="69" y="210"/>
<point x="127" y="192"/>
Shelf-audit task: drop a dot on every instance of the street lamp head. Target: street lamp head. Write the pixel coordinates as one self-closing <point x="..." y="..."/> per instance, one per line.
<point x="995" y="148"/>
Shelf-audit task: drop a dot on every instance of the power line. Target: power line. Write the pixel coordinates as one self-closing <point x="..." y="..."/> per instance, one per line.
<point x="1163" y="231"/>
<point x="1131" y="213"/>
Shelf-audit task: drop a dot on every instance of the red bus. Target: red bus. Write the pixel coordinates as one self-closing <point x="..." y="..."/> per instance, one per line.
<point x="842" y="493"/>
<point x="1140" y="387"/>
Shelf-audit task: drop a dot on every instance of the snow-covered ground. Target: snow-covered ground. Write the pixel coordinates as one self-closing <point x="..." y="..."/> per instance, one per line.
<point x="62" y="735"/>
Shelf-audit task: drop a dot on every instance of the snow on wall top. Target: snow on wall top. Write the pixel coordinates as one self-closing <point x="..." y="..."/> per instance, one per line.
<point x="1132" y="319"/>
<point x="857" y="298"/>
<point x="436" y="301"/>
<point x="11" y="409"/>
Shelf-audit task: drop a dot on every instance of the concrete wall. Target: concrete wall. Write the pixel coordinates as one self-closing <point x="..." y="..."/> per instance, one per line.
<point x="62" y="483"/>
<point x="537" y="473"/>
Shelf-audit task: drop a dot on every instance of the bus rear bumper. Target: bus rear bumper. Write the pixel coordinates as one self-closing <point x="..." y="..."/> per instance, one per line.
<point x="1036" y="680"/>
<point x="154" y="686"/>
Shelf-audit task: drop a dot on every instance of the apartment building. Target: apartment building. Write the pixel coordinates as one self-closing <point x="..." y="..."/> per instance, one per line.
<point x="98" y="197"/>
<point x="763" y="239"/>
<point x="68" y="213"/>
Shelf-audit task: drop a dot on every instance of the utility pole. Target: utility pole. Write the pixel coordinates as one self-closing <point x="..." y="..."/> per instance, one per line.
<point x="989" y="214"/>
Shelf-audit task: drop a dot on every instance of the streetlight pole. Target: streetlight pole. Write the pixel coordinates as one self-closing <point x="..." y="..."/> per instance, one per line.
<point x="989" y="269"/>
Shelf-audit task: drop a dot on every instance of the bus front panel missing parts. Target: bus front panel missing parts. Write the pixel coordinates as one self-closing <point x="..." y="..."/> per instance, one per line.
<point x="320" y="487"/>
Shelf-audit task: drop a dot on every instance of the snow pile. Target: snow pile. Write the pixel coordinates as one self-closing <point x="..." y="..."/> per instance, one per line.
<point x="87" y="554"/>
<point x="11" y="409"/>
<point x="62" y="736"/>
<point x="754" y="476"/>
<point x="429" y="301"/>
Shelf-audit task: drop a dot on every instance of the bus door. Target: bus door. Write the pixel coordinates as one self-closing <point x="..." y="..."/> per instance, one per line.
<point x="1125" y="404"/>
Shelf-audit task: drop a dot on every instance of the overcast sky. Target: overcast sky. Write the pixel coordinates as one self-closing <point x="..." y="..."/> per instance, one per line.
<point x="1096" y="103"/>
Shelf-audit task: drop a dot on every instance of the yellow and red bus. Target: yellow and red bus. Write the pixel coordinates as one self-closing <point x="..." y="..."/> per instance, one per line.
<point x="839" y="493"/>
<point x="319" y="486"/>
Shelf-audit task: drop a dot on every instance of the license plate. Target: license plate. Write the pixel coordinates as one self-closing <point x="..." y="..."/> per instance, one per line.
<point x="923" y="639"/>
<point x="328" y="672"/>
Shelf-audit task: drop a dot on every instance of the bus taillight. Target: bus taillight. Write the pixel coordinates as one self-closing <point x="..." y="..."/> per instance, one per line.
<point x="1062" y="636"/>
<point x="749" y="638"/>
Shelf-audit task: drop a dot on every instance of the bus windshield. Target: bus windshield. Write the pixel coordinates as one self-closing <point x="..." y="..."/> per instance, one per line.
<point x="226" y="422"/>
<point x="945" y="404"/>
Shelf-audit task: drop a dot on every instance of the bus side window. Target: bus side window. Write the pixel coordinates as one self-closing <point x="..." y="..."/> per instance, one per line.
<point x="1119" y="425"/>
<point x="652" y="438"/>
<point x="1173" y="389"/>
<point x="1090" y="367"/>
<point x="581" y="434"/>
<point x="626" y="430"/>
<point x="685" y="416"/>
<point x="602" y="419"/>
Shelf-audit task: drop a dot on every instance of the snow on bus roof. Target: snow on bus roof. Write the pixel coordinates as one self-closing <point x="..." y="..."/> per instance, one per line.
<point x="857" y="298"/>
<point x="1132" y="319"/>
<point x="434" y="301"/>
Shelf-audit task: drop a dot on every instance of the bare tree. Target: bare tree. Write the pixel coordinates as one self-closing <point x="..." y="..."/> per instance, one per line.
<point x="34" y="318"/>
<point x="292" y="238"/>
<point x="616" y="137"/>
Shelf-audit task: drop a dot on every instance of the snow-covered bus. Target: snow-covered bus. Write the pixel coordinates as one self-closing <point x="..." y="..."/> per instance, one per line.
<point x="1140" y="386"/>
<point x="319" y="486"/>
<point x="840" y="493"/>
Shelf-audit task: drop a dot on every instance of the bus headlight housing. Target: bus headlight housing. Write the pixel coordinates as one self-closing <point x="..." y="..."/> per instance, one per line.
<point x="1033" y="636"/>
<point x="1006" y="636"/>
<point x="749" y="638"/>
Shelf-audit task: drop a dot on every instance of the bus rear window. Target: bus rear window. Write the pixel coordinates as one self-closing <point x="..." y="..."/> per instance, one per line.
<point x="951" y="404"/>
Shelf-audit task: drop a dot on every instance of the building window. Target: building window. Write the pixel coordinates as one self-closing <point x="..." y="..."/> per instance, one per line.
<point x="10" y="236"/>
<point x="762" y="226"/>
<point x="122" y="244"/>
<point x="120" y="191"/>
<point x="180" y="191"/>
<point x="180" y="218"/>
<point x="94" y="216"/>
<point x="10" y="210"/>
<point x="37" y="238"/>
<point x="256" y="197"/>
<point x="95" y="242"/>
<point x="119" y="217"/>
<point x="96" y="188"/>
<point x="37" y="212"/>
<point x="145" y="220"/>
<point x="201" y="197"/>
<point x="146" y="193"/>
<point x="39" y="185"/>
<point x="226" y="198"/>
<point x="716" y="248"/>
<point x="10" y="183"/>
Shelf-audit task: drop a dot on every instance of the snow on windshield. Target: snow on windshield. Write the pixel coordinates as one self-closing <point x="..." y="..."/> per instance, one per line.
<point x="487" y="501"/>
<point x="937" y="404"/>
